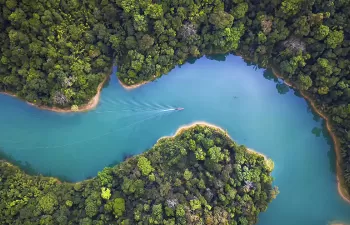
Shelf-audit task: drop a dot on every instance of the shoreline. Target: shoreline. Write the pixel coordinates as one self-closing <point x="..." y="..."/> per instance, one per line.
<point x="83" y="108"/>
<point x="183" y="128"/>
<point x="341" y="189"/>
<point x="337" y="223"/>
<point x="179" y="131"/>
<point x="131" y="87"/>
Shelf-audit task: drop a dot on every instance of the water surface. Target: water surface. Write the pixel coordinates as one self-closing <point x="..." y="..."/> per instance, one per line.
<point x="257" y="110"/>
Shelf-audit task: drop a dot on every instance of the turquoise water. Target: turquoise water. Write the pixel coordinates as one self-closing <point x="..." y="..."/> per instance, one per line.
<point x="257" y="111"/>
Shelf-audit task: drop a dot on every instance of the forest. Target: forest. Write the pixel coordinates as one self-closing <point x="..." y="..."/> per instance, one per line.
<point x="56" y="52"/>
<point x="200" y="176"/>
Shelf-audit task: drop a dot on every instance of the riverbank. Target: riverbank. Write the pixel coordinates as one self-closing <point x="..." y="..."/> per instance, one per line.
<point x="340" y="178"/>
<point x="337" y="223"/>
<point x="183" y="128"/>
<point x="131" y="87"/>
<point x="83" y="108"/>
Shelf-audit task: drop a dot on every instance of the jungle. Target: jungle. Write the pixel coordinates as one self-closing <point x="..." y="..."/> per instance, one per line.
<point x="57" y="52"/>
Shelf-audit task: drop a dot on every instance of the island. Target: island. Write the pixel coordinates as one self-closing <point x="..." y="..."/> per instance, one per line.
<point x="200" y="175"/>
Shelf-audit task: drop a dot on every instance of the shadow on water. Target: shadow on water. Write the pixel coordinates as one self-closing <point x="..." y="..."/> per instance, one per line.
<point x="125" y="157"/>
<point x="268" y="75"/>
<point x="331" y="153"/>
<point x="24" y="166"/>
<point x="62" y="178"/>
<point x="106" y="84"/>
<point x="217" y="57"/>
<point x="27" y="167"/>
<point x="316" y="131"/>
<point x="282" y="88"/>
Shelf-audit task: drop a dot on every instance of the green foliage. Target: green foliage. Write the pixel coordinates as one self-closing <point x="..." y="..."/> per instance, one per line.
<point x="106" y="193"/>
<point x="152" y="177"/>
<point x="215" y="154"/>
<point x="188" y="174"/>
<point x="47" y="203"/>
<point x="322" y="32"/>
<point x="118" y="207"/>
<point x="200" y="154"/>
<point x="144" y="165"/>
<point x="291" y="7"/>
<point x="105" y="176"/>
<point x="56" y="54"/>
<point x="180" y="211"/>
<point x="262" y="37"/>
<point x="155" y="11"/>
<point x="74" y="108"/>
<point x="221" y="20"/>
<point x="305" y="82"/>
<point x="240" y="10"/>
<point x="195" y="204"/>
<point x="69" y="203"/>
<point x="335" y="38"/>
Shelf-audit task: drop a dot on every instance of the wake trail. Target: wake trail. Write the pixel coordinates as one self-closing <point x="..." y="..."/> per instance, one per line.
<point x="93" y="138"/>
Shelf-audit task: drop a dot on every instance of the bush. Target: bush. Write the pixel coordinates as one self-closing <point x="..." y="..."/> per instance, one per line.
<point x="118" y="207"/>
<point x="144" y="165"/>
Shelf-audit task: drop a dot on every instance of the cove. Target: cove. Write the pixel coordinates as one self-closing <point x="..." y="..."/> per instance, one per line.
<point x="255" y="108"/>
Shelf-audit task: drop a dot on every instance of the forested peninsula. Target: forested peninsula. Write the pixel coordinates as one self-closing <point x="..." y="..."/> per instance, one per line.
<point x="198" y="176"/>
<point x="56" y="52"/>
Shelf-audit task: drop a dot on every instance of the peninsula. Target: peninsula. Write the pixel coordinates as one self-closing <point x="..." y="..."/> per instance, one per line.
<point x="181" y="179"/>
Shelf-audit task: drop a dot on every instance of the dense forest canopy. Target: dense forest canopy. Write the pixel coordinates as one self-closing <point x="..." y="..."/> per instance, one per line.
<point x="56" y="52"/>
<point x="198" y="177"/>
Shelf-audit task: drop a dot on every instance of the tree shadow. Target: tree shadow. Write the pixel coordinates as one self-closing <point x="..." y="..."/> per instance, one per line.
<point x="217" y="57"/>
<point x="316" y="131"/>
<point x="24" y="166"/>
<point x="282" y="88"/>
<point x="269" y="75"/>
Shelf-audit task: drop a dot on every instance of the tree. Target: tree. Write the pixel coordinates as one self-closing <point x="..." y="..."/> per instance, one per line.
<point x="240" y="10"/>
<point x="221" y="20"/>
<point x="321" y="32"/>
<point x="140" y="23"/>
<point x="146" y="42"/>
<point x="145" y="166"/>
<point x="187" y="174"/>
<point x="118" y="207"/>
<point x="11" y="4"/>
<point x="47" y="203"/>
<point x="215" y="154"/>
<point x="154" y="11"/>
<point x="335" y="38"/>
<point x="291" y="7"/>
<point x="323" y="90"/>
<point x="106" y="193"/>
<point x="305" y="82"/>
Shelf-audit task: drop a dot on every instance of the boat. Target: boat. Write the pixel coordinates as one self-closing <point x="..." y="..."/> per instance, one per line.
<point x="179" y="109"/>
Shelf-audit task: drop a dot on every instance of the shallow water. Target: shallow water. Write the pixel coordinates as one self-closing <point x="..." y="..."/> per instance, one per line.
<point x="256" y="109"/>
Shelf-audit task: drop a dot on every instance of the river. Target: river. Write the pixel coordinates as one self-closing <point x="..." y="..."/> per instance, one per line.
<point x="256" y="109"/>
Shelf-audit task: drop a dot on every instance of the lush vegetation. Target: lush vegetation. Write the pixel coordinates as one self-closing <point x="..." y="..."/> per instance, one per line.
<point x="56" y="52"/>
<point x="198" y="177"/>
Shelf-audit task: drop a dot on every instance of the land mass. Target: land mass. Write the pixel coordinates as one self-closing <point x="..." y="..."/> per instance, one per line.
<point x="180" y="180"/>
<point x="82" y="108"/>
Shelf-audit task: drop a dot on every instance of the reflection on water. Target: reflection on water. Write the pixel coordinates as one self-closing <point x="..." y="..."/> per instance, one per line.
<point x="25" y="166"/>
<point x="282" y="88"/>
<point x="317" y="131"/>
